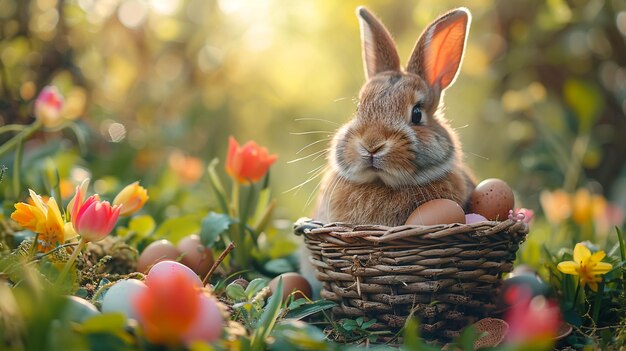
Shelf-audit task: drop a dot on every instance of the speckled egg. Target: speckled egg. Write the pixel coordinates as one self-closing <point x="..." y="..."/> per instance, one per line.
<point x="493" y="199"/>
<point x="160" y="250"/>
<point x="438" y="211"/>
<point x="292" y="282"/>
<point x="195" y="255"/>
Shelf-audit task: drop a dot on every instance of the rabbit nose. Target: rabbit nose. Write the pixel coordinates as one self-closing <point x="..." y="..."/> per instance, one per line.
<point x="372" y="150"/>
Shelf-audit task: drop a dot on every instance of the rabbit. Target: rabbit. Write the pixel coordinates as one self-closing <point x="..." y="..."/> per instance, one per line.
<point x="398" y="151"/>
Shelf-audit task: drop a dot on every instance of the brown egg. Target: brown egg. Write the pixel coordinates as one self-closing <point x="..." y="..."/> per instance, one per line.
<point x="291" y="282"/>
<point x="160" y="250"/>
<point x="438" y="211"/>
<point x="493" y="199"/>
<point x="195" y="255"/>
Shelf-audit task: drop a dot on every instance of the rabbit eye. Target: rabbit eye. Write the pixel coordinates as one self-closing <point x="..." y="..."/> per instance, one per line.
<point x="416" y="114"/>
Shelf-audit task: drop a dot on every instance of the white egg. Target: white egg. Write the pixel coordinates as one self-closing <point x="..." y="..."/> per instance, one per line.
<point x="209" y="323"/>
<point x="79" y="310"/>
<point x="166" y="268"/>
<point x="121" y="296"/>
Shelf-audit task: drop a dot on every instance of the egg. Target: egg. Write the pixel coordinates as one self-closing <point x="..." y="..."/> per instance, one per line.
<point x="493" y="199"/>
<point x="195" y="255"/>
<point x="292" y="282"/>
<point x="157" y="251"/>
<point x="165" y="268"/>
<point x="474" y="218"/>
<point x="78" y="310"/>
<point x="493" y="331"/>
<point x="121" y="295"/>
<point x="209" y="323"/>
<point x="438" y="211"/>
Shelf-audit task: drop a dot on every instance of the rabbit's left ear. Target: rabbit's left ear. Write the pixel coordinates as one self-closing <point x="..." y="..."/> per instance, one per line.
<point x="439" y="50"/>
<point x="379" y="49"/>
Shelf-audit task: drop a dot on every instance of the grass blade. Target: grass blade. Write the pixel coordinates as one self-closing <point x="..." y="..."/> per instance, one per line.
<point x="267" y="320"/>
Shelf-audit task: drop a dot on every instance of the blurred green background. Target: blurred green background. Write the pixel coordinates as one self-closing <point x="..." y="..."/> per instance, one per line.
<point x="157" y="87"/>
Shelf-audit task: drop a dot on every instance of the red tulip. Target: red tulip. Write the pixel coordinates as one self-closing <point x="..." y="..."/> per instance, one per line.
<point x="95" y="219"/>
<point x="247" y="163"/>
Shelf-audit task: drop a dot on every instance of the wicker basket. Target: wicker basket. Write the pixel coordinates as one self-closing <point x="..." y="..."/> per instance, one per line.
<point x="448" y="275"/>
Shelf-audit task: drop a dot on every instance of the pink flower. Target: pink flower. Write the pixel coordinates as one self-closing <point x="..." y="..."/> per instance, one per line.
<point x="94" y="219"/>
<point x="522" y="215"/>
<point x="533" y="321"/>
<point x="77" y="201"/>
<point x="48" y="106"/>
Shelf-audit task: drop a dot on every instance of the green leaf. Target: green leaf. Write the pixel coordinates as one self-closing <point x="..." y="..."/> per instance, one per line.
<point x="216" y="185"/>
<point x="467" y="338"/>
<point x="235" y="292"/>
<point x="267" y="320"/>
<point x="368" y="324"/>
<point x="255" y="286"/>
<point x="412" y="339"/>
<point x="212" y="226"/>
<point x="350" y="325"/>
<point x="622" y="243"/>
<point x="585" y="100"/>
<point x="177" y="228"/>
<point x="102" y="323"/>
<point x="279" y="266"/>
<point x="308" y="308"/>
<point x="142" y="225"/>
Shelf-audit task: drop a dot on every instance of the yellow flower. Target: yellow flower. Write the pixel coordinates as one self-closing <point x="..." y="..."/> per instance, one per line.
<point x="132" y="198"/>
<point x="42" y="218"/>
<point x="586" y="266"/>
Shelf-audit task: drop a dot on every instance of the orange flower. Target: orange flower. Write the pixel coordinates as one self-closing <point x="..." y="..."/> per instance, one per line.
<point x="248" y="163"/>
<point x="557" y="205"/>
<point x="43" y="218"/>
<point x="188" y="168"/>
<point x="168" y="308"/>
<point x="132" y="198"/>
<point x="587" y="206"/>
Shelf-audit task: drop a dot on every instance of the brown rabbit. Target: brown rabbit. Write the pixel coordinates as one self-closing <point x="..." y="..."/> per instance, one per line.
<point x="398" y="151"/>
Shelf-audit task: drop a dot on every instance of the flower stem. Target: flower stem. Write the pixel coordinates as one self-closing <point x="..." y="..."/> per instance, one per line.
<point x="576" y="295"/>
<point x="23" y="135"/>
<point x="12" y="128"/>
<point x="70" y="262"/>
<point x="17" y="166"/>
<point x="234" y="200"/>
<point x="33" y="247"/>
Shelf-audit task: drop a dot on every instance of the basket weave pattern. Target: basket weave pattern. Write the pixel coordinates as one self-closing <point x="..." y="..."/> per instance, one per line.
<point x="448" y="275"/>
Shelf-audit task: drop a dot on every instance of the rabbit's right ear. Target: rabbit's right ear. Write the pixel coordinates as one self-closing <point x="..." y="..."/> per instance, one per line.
<point x="439" y="51"/>
<point x="379" y="50"/>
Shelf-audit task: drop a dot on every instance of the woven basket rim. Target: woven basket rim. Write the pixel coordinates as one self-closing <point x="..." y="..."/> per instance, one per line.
<point x="380" y="234"/>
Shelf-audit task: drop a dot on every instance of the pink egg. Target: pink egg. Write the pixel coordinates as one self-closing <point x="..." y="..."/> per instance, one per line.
<point x="165" y="268"/>
<point x="474" y="218"/>
<point x="209" y="323"/>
